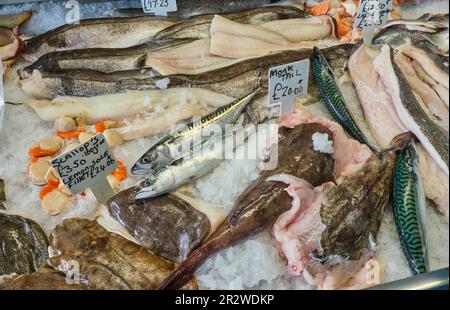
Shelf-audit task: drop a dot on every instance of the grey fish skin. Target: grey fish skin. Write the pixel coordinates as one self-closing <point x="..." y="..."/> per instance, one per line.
<point x="188" y="8"/>
<point x="409" y="205"/>
<point x="334" y="100"/>
<point x="100" y="59"/>
<point x="96" y="33"/>
<point x="425" y="24"/>
<point x="167" y="226"/>
<point x="166" y="150"/>
<point x="199" y="26"/>
<point x="23" y="245"/>
<point x="264" y="201"/>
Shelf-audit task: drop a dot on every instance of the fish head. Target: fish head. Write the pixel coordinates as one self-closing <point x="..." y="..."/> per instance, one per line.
<point x="145" y="165"/>
<point x="146" y="189"/>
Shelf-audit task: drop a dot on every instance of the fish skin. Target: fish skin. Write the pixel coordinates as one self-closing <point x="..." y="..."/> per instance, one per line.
<point x="430" y="49"/>
<point x="102" y="33"/>
<point x="24" y="245"/>
<point x="166" y="150"/>
<point x="100" y="59"/>
<point x="198" y="26"/>
<point x="333" y="98"/>
<point x="408" y="203"/>
<point x="188" y="8"/>
<point x="433" y="137"/>
<point x="264" y="201"/>
<point x="167" y="226"/>
<point x="2" y="195"/>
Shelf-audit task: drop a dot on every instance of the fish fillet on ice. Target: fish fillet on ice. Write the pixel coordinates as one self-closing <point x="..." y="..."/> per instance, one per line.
<point x="384" y="124"/>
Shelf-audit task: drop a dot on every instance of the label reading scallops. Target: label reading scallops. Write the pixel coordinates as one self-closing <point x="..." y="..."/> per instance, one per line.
<point x="372" y="13"/>
<point x="287" y="83"/>
<point x="159" y="7"/>
<point x="87" y="166"/>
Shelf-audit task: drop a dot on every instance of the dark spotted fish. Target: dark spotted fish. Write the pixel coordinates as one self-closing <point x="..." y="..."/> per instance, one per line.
<point x="327" y="84"/>
<point x="409" y="205"/>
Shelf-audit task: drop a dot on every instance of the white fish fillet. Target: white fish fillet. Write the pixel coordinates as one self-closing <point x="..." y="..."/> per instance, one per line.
<point x="442" y="91"/>
<point x="235" y="40"/>
<point x="384" y="124"/>
<point x="433" y="103"/>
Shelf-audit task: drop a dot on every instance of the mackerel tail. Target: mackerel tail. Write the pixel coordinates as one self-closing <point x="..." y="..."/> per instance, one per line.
<point x="409" y="204"/>
<point x="333" y="98"/>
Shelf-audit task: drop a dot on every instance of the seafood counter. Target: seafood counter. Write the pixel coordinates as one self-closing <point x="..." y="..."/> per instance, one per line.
<point x="347" y="189"/>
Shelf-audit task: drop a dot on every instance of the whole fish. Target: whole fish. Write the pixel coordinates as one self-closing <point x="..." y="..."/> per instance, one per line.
<point x="100" y="59"/>
<point x="167" y="149"/>
<point x="409" y="204"/>
<point x="202" y="161"/>
<point x="199" y="26"/>
<point x="188" y="8"/>
<point x="96" y="33"/>
<point x="332" y="96"/>
<point x="433" y="138"/>
<point x="264" y="201"/>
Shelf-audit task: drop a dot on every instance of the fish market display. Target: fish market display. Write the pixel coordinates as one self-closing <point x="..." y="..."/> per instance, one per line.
<point x="106" y="261"/>
<point x="409" y="206"/>
<point x="24" y="245"/>
<point x="151" y="222"/>
<point x="432" y="137"/>
<point x="96" y="33"/>
<point x="341" y="185"/>
<point x="385" y="124"/>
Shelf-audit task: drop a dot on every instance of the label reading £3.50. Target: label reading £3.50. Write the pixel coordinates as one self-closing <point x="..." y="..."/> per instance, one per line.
<point x="87" y="166"/>
<point x="372" y="13"/>
<point x="159" y="7"/>
<point x="287" y="83"/>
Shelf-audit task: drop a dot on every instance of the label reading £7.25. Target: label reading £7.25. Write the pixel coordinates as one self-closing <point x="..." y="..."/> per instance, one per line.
<point x="87" y="166"/>
<point x="287" y="83"/>
<point x="159" y="7"/>
<point x="372" y="13"/>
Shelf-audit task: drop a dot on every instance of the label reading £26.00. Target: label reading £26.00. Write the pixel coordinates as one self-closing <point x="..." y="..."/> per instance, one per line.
<point x="372" y="13"/>
<point x="87" y="166"/>
<point x="287" y="83"/>
<point x="159" y="7"/>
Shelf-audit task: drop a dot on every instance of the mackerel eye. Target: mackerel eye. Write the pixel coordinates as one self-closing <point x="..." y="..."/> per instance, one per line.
<point x="145" y="160"/>
<point x="147" y="183"/>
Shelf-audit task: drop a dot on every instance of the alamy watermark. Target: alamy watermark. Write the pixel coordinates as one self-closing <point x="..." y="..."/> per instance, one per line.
<point x="73" y="14"/>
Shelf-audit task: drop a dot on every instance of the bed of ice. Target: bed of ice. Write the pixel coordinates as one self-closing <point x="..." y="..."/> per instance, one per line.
<point x="254" y="264"/>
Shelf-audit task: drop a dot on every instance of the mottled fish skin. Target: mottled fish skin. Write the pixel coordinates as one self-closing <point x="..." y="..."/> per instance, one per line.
<point x="107" y="261"/>
<point x="100" y="59"/>
<point x="438" y="137"/>
<point x="166" y="150"/>
<point x="188" y="8"/>
<point x="353" y="210"/>
<point x="23" y="245"/>
<point x="264" y="201"/>
<point x="199" y="26"/>
<point x="332" y="96"/>
<point x="408" y="203"/>
<point x="167" y="225"/>
<point x="2" y="195"/>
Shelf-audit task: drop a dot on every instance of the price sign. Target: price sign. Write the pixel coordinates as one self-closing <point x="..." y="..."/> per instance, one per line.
<point x="287" y="83"/>
<point x="372" y="13"/>
<point x="159" y="7"/>
<point x="87" y="166"/>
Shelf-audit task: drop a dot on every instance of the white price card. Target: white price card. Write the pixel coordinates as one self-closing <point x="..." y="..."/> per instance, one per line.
<point x="2" y="98"/>
<point x="87" y="166"/>
<point x="287" y="83"/>
<point x="159" y="7"/>
<point x="372" y="13"/>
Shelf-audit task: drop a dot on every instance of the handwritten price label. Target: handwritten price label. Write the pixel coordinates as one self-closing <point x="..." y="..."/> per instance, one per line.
<point x="159" y="7"/>
<point x="287" y="83"/>
<point x="87" y="166"/>
<point x="373" y="13"/>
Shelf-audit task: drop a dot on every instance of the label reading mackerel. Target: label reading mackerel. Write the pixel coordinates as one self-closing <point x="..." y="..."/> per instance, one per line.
<point x="87" y="166"/>
<point x="159" y="7"/>
<point x="372" y="13"/>
<point x="287" y="83"/>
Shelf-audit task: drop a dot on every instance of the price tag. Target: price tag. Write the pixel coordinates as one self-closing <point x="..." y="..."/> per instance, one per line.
<point x="372" y="13"/>
<point x="2" y="98"/>
<point x="87" y="166"/>
<point x="159" y="7"/>
<point x="287" y="83"/>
